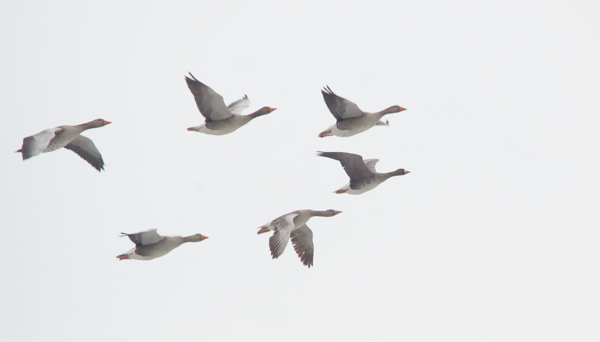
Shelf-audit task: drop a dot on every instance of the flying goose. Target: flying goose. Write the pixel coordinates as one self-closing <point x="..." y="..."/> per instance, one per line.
<point x="150" y="245"/>
<point x="219" y="119"/>
<point x="68" y="137"/>
<point x="363" y="176"/>
<point x="350" y="119"/>
<point x="293" y="225"/>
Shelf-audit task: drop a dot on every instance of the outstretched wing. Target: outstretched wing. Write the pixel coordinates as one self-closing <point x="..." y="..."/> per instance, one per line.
<point x="353" y="164"/>
<point x="210" y="104"/>
<point x="370" y="163"/>
<point x="144" y="238"/>
<point x="238" y="106"/>
<point x="339" y="106"/>
<point x="85" y="148"/>
<point x="283" y="228"/>
<point x="278" y="241"/>
<point x="302" y="238"/>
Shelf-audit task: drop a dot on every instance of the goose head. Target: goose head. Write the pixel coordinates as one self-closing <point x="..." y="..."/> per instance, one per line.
<point x="394" y="109"/>
<point x="196" y="238"/>
<point x="99" y="123"/>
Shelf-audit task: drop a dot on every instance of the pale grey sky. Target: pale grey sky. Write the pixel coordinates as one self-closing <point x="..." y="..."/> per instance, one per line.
<point x="492" y="237"/>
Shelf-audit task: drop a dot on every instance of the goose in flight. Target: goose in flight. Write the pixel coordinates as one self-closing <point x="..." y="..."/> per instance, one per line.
<point x="351" y="120"/>
<point x="363" y="176"/>
<point x="220" y="119"/>
<point x="69" y="137"/>
<point x="150" y="245"/>
<point x="293" y="226"/>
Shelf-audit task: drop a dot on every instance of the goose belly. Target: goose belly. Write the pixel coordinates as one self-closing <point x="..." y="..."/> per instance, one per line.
<point x="54" y="145"/>
<point x="216" y="130"/>
<point x="152" y="251"/>
<point x="224" y="126"/>
<point x="134" y="256"/>
<point x="350" y="127"/>
<point x="62" y="139"/>
<point x="358" y="188"/>
<point x="348" y="132"/>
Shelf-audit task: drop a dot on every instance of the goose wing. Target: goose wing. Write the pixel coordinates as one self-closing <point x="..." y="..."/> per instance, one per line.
<point x="210" y="104"/>
<point x="85" y="148"/>
<point x="238" y="106"/>
<point x="302" y="238"/>
<point x="370" y="163"/>
<point x="353" y="164"/>
<point x="283" y="228"/>
<point x="144" y="238"/>
<point x="339" y="106"/>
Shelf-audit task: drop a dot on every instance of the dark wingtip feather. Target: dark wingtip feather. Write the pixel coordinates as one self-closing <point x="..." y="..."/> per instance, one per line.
<point x="97" y="163"/>
<point x="326" y="90"/>
<point x="99" y="167"/>
<point x="189" y="80"/>
<point x="326" y="154"/>
<point x="193" y="77"/>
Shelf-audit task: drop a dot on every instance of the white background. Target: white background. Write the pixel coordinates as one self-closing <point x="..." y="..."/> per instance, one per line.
<point x="492" y="237"/>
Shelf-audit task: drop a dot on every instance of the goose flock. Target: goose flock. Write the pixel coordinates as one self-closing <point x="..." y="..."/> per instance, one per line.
<point x="220" y="119"/>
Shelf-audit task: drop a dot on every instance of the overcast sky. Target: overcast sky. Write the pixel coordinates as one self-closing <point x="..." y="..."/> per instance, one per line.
<point x="493" y="236"/>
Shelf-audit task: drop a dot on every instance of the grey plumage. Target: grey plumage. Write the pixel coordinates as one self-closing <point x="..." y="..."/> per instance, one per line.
<point x="146" y="237"/>
<point x="350" y="119"/>
<point x="85" y="148"/>
<point x="210" y="104"/>
<point x="240" y="102"/>
<point x="339" y="106"/>
<point x="220" y="119"/>
<point x="277" y="244"/>
<point x="150" y="245"/>
<point x="293" y="226"/>
<point x="69" y="137"/>
<point x="352" y="163"/>
<point x="28" y="149"/>
<point x="302" y="239"/>
<point x="362" y="174"/>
